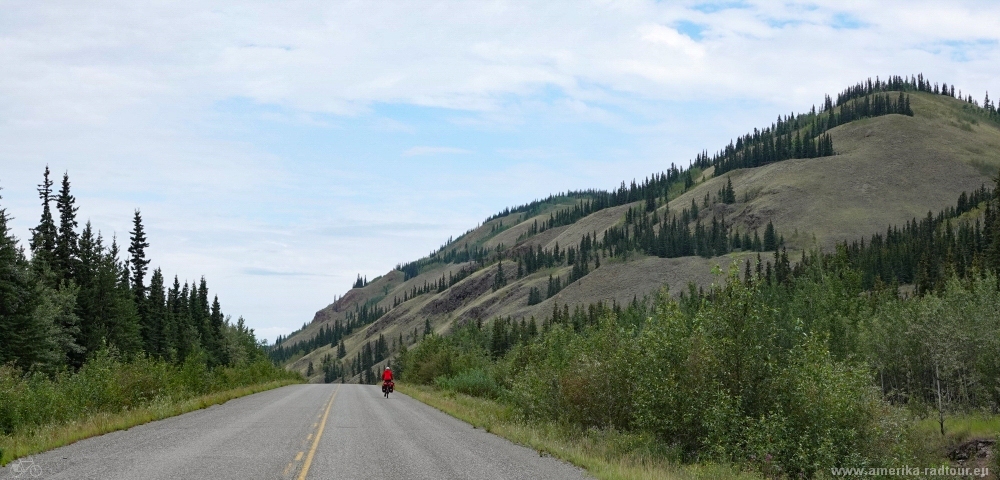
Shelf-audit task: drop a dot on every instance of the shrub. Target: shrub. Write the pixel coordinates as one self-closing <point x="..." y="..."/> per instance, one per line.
<point x="476" y="382"/>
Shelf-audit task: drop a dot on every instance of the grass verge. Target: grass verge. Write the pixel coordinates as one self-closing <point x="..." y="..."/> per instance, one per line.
<point x="48" y="437"/>
<point x="932" y="448"/>
<point x="605" y="454"/>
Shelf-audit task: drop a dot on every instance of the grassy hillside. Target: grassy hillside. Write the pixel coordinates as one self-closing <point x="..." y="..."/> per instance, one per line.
<point x="886" y="170"/>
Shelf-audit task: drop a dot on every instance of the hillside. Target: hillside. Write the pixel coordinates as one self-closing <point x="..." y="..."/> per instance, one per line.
<point x="886" y="170"/>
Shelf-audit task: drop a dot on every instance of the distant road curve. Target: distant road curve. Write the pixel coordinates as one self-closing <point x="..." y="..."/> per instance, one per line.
<point x="299" y="432"/>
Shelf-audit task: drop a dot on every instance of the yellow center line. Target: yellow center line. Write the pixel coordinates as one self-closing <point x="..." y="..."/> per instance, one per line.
<point x="319" y="434"/>
<point x="298" y="457"/>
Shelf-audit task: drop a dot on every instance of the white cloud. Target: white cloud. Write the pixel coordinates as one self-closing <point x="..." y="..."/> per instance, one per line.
<point x="126" y="97"/>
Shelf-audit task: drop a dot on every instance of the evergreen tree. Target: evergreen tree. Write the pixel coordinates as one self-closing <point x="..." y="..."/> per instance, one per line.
<point x="120" y="316"/>
<point x="159" y="334"/>
<point x="43" y="239"/>
<point x="139" y="264"/>
<point x="20" y="335"/>
<point x="500" y="280"/>
<point x="217" y="324"/>
<point x="770" y="239"/>
<point x="66" y="251"/>
<point x="137" y="259"/>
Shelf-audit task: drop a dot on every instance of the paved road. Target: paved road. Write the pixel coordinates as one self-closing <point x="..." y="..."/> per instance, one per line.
<point x="302" y="431"/>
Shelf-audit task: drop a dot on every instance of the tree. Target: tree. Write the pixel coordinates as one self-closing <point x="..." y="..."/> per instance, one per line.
<point x="156" y="329"/>
<point x="139" y="263"/>
<point x="119" y="318"/>
<point x="770" y="239"/>
<point x="43" y="239"/>
<point x="137" y="259"/>
<point x="66" y="251"/>
<point x="728" y="194"/>
<point x="20" y="336"/>
<point x="500" y="280"/>
<point x="217" y="322"/>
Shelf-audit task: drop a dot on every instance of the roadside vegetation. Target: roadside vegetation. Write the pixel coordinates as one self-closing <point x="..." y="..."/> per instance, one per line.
<point x="785" y="370"/>
<point x="87" y="346"/>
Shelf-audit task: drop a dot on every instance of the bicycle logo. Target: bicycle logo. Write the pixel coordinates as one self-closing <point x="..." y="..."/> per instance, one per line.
<point x="25" y="468"/>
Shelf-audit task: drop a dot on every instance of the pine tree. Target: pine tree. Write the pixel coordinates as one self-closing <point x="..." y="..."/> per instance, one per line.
<point x="66" y="251"/>
<point x="161" y="335"/>
<point x="770" y="239"/>
<point x="500" y="280"/>
<point x="137" y="259"/>
<point x="21" y="337"/>
<point x="217" y="324"/>
<point x="121" y="323"/>
<point x="43" y="238"/>
<point x="728" y="194"/>
<point x="341" y="350"/>
<point x="139" y="264"/>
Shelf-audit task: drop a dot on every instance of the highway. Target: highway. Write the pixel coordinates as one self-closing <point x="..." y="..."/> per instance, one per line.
<point x="300" y="432"/>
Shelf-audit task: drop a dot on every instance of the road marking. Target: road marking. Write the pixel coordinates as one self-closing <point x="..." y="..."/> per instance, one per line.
<point x="319" y="434"/>
<point x="298" y="457"/>
<point x="288" y="469"/>
<point x="310" y="437"/>
<point x="314" y="425"/>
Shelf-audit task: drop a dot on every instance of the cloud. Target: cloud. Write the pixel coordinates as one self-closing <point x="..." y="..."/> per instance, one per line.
<point x="241" y="130"/>
<point x="418" y="151"/>
<point x="269" y="272"/>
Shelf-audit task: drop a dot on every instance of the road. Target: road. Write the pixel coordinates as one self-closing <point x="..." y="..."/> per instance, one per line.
<point x="299" y="432"/>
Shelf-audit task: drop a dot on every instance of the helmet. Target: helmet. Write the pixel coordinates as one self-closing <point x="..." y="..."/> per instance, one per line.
<point x="387" y="367"/>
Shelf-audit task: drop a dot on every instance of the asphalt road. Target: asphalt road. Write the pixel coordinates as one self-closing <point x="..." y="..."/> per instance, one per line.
<point x="298" y="432"/>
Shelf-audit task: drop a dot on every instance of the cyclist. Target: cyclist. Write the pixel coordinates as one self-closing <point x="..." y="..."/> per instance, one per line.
<point x="387" y="383"/>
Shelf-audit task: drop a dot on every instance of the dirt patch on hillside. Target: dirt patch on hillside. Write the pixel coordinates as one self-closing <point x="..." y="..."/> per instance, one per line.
<point x="460" y="294"/>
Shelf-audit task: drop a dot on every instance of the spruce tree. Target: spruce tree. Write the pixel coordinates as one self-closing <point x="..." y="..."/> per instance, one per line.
<point x="66" y="250"/>
<point x="217" y="326"/>
<point x="161" y="335"/>
<point x="20" y="335"/>
<point x="122" y="321"/>
<point x="43" y="238"/>
<point x="770" y="239"/>
<point x="137" y="258"/>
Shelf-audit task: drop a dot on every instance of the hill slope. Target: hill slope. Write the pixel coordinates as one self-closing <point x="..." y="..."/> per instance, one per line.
<point x="887" y="170"/>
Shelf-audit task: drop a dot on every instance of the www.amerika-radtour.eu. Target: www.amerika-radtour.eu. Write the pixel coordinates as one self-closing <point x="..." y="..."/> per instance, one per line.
<point x="942" y="471"/>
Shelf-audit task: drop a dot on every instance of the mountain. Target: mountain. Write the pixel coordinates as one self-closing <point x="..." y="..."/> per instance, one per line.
<point x="899" y="151"/>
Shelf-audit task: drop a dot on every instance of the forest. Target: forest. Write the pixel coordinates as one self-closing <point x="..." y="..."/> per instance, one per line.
<point x="85" y="331"/>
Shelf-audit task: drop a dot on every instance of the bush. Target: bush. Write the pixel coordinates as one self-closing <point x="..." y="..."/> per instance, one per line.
<point x="107" y="384"/>
<point x="476" y="382"/>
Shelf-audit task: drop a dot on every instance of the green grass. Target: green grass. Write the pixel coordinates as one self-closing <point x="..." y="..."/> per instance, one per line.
<point x="605" y="454"/>
<point x="931" y="448"/>
<point x="38" y="440"/>
<point x="959" y="428"/>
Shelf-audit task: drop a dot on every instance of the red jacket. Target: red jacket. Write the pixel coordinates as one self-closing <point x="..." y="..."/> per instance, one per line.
<point x="387" y="375"/>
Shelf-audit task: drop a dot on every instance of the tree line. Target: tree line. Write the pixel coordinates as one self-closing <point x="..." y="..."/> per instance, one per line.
<point x="787" y="369"/>
<point x="75" y="296"/>
<point x="333" y="335"/>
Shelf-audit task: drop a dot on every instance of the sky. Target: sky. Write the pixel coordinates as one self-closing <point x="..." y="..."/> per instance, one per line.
<point x="280" y="149"/>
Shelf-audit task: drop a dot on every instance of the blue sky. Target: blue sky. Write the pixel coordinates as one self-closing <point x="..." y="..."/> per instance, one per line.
<point x="282" y="150"/>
